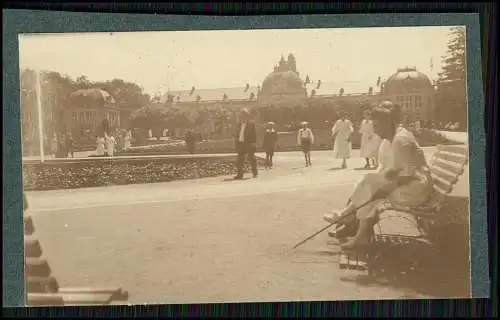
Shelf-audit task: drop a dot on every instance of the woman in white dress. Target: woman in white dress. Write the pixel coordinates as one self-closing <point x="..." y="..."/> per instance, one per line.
<point x="100" y="146"/>
<point x="110" y="144"/>
<point x="128" y="139"/>
<point x="341" y="134"/>
<point x="370" y="141"/>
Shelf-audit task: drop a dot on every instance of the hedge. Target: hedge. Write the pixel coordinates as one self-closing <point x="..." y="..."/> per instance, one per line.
<point x="287" y="141"/>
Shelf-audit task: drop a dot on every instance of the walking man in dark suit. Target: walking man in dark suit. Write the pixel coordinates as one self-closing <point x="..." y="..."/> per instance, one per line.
<point x="246" y="138"/>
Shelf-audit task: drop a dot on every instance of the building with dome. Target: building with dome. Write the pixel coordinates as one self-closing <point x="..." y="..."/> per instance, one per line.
<point x="86" y="111"/>
<point x="413" y="91"/>
<point x="283" y="86"/>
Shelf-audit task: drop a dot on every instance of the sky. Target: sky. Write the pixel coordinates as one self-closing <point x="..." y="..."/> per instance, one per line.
<point x="178" y="60"/>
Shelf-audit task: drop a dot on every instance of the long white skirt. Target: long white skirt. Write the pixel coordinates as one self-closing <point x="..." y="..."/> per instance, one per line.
<point x="369" y="145"/>
<point x="414" y="193"/>
<point x="111" y="150"/>
<point x="342" y="148"/>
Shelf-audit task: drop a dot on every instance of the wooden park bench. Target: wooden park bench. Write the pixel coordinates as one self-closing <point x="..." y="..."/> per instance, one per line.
<point x="42" y="288"/>
<point x="405" y="238"/>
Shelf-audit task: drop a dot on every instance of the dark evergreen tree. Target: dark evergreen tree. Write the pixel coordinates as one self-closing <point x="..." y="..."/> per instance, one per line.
<point x="451" y="102"/>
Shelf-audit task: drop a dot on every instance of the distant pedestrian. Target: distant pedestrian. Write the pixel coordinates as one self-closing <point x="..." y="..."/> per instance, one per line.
<point x="270" y="141"/>
<point x="305" y="139"/>
<point x="127" y="140"/>
<point x="100" y="146"/>
<point x="190" y="141"/>
<point x="53" y="145"/>
<point x="118" y="141"/>
<point x="110" y="145"/>
<point x="62" y="149"/>
<point x="246" y="138"/>
<point x="70" y="145"/>
<point x="370" y="141"/>
<point x="341" y="134"/>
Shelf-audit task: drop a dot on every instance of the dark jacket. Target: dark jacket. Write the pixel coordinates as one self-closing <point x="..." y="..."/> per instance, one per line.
<point x="270" y="139"/>
<point x="250" y="133"/>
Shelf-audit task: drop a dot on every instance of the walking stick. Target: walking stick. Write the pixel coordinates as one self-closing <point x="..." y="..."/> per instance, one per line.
<point x="382" y="192"/>
<point x="339" y="219"/>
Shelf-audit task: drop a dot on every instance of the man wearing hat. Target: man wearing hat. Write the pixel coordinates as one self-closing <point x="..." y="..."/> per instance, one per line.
<point x="270" y="140"/>
<point x="246" y="138"/>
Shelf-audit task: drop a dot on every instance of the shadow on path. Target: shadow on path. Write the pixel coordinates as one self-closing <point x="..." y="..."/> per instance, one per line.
<point x="365" y="169"/>
<point x="233" y="179"/>
<point x="337" y="169"/>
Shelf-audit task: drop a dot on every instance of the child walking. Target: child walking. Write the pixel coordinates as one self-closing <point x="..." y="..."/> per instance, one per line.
<point x="305" y="139"/>
<point x="270" y="140"/>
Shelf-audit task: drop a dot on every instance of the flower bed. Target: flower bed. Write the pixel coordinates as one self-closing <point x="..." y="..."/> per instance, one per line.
<point x="106" y="172"/>
<point x="287" y="141"/>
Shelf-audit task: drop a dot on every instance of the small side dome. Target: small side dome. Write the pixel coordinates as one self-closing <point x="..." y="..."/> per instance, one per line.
<point x="407" y="80"/>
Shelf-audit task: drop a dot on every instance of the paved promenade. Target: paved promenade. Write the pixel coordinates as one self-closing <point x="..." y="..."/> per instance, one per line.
<point x="209" y="240"/>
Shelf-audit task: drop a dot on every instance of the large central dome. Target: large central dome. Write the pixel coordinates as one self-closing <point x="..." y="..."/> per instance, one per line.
<point x="284" y="80"/>
<point x="282" y="83"/>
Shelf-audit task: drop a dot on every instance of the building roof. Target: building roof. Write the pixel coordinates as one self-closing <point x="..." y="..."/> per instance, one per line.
<point x="235" y="93"/>
<point x="331" y="88"/>
<point x="95" y="94"/>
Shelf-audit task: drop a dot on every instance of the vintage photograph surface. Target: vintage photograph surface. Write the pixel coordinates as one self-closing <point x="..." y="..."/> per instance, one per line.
<point x="245" y="165"/>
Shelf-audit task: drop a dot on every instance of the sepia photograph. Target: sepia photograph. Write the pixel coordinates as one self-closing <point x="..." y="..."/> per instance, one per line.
<point x="321" y="164"/>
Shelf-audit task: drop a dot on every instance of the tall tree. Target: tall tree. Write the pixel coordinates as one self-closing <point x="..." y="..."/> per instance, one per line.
<point x="128" y="95"/>
<point x="55" y="91"/>
<point x="451" y="102"/>
<point x="454" y="61"/>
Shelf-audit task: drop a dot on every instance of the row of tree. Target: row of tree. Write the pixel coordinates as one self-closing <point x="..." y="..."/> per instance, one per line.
<point x="159" y="116"/>
<point x="319" y="114"/>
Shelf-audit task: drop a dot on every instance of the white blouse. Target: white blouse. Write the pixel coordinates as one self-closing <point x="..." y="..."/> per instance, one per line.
<point x="305" y="134"/>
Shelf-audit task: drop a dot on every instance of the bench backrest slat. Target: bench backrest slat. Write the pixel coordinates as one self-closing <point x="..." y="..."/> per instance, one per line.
<point x="457" y="170"/>
<point x="444" y="174"/>
<point x="454" y="158"/>
<point x="442" y="184"/>
<point x="446" y="167"/>
<point x="37" y="270"/>
<point x="462" y="150"/>
<point x="29" y="227"/>
<point x="32" y="248"/>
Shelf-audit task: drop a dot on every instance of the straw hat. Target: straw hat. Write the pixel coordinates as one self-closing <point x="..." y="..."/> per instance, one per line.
<point x="304" y="123"/>
<point x="270" y="123"/>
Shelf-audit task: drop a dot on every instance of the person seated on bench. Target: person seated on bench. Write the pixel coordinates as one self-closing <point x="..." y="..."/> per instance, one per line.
<point x="407" y="167"/>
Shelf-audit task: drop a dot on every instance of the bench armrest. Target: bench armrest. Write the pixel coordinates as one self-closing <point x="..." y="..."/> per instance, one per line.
<point x="68" y="299"/>
<point x="117" y="294"/>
